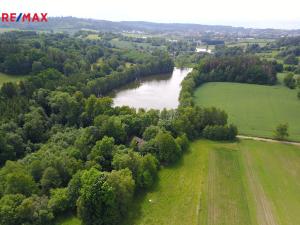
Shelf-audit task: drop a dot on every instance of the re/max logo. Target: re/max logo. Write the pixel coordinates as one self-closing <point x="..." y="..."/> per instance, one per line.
<point x="24" y="17"/>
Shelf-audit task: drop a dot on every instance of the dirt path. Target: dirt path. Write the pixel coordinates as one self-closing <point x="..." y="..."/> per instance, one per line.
<point x="268" y="140"/>
<point x="263" y="205"/>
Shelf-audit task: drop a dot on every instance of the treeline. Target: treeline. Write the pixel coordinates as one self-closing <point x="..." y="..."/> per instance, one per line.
<point x="288" y="41"/>
<point x="292" y="82"/>
<point x="28" y="52"/>
<point x="103" y="85"/>
<point x="289" y="52"/>
<point x="241" y="69"/>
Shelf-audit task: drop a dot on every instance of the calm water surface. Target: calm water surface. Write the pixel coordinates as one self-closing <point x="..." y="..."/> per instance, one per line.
<point x="156" y="92"/>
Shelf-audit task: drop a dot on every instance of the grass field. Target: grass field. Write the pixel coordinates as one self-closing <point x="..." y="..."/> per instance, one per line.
<point x="68" y="220"/>
<point x="245" y="42"/>
<point x="129" y="45"/>
<point x="176" y="196"/>
<point x="93" y="37"/>
<point x="10" y="78"/>
<point x="255" y="109"/>
<point x="226" y="184"/>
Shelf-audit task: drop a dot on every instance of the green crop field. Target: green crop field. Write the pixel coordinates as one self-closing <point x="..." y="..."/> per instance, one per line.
<point x="10" y="78"/>
<point x="249" y="182"/>
<point x="255" y="109"/>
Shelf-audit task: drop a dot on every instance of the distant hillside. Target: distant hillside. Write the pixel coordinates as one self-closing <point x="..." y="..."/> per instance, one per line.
<point x="72" y="24"/>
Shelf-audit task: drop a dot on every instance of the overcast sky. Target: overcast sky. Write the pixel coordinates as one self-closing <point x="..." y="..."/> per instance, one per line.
<point x="248" y="13"/>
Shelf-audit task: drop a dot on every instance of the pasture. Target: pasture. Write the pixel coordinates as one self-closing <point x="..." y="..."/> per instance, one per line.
<point x="216" y="183"/>
<point x="255" y="109"/>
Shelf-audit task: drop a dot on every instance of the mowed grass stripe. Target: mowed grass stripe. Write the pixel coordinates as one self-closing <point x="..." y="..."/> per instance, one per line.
<point x="277" y="169"/>
<point x="228" y="202"/>
<point x="255" y="109"/>
<point x="263" y="207"/>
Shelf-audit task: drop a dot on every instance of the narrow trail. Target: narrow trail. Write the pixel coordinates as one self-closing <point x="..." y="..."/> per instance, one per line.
<point x="268" y="140"/>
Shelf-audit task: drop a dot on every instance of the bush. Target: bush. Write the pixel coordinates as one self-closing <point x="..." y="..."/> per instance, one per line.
<point x="183" y="142"/>
<point x="281" y="132"/>
<point x="168" y="149"/>
<point x="219" y="133"/>
<point x="290" y="81"/>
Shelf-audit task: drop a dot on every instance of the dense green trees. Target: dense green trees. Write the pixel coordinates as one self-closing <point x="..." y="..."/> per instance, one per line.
<point x="168" y="150"/>
<point x="290" y="81"/>
<point x="20" y="183"/>
<point x="59" y="201"/>
<point x="220" y="133"/>
<point x="50" y="179"/>
<point x="9" y="209"/>
<point x="97" y="201"/>
<point x="95" y="159"/>
<point x="281" y="132"/>
<point x="102" y="153"/>
<point x="291" y="60"/>
<point x="35" y="125"/>
<point x="123" y="184"/>
<point x="70" y="148"/>
<point x="143" y="168"/>
<point x="242" y="69"/>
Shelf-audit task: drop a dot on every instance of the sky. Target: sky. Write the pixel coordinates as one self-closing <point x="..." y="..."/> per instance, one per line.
<point x="247" y="13"/>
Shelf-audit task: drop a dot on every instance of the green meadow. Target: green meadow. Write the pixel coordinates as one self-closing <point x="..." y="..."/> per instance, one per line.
<point x="255" y="109"/>
<point x="247" y="182"/>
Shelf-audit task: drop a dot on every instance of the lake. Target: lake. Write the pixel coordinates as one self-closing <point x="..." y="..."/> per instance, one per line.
<point x="152" y="92"/>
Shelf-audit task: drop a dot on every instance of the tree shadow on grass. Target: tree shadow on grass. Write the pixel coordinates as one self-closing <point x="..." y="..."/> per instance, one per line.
<point x="135" y="209"/>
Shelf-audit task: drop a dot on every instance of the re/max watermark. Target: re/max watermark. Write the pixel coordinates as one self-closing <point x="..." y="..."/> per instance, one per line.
<point x="24" y="17"/>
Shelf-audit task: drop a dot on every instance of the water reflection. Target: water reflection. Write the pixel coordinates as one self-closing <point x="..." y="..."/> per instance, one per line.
<point x="157" y="92"/>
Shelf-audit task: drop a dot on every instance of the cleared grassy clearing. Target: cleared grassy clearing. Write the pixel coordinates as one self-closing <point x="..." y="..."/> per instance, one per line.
<point x="10" y="78"/>
<point x="255" y="109"/>
<point x="69" y="220"/>
<point x="129" y="45"/>
<point x="93" y="37"/>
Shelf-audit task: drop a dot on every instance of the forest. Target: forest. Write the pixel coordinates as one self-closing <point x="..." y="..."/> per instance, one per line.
<point x="65" y="149"/>
<point x="241" y="69"/>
